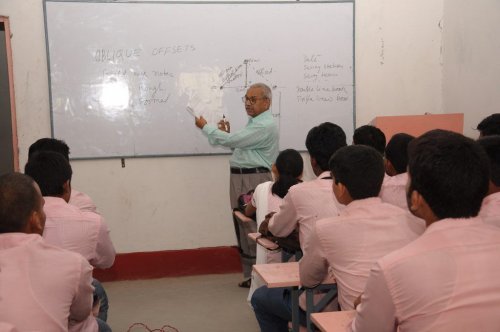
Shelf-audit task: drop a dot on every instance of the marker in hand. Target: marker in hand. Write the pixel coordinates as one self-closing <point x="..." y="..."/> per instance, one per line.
<point x="224" y="124"/>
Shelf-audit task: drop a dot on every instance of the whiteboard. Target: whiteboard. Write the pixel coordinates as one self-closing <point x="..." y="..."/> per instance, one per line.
<point x="121" y="74"/>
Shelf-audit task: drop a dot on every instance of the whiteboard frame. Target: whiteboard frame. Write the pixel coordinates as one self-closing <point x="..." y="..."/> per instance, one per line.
<point x="193" y="2"/>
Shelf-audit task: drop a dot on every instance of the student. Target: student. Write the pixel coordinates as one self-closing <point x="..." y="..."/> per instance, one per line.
<point x="312" y="200"/>
<point x="447" y="279"/>
<point x="393" y="189"/>
<point x="78" y="199"/>
<point x="67" y="226"/>
<point x="287" y="171"/>
<point x="490" y="209"/>
<point x="255" y="148"/>
<point x="365" y="230"/>
<point x="489" y="125"/>
<point x="43" y="287"/>
<point x="371" y="136"/>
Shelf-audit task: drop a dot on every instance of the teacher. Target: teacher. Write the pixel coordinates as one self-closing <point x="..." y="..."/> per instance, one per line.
<point x="255" y="149"/>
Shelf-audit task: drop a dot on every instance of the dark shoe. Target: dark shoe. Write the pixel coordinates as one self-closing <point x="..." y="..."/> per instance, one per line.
<point x="245" y="284"/>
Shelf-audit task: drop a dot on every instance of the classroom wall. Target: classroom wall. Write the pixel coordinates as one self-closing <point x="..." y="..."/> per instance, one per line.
<point x="182" y="202"/>
<point x="471" y="68"/>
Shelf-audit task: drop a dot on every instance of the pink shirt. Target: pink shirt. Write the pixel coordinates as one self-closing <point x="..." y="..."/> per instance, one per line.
<point x="490" y="210"/>
<point x="83" y="232"/>
<point x="446" y="280"/>
<point x="82" y="201"/>
<point x="393" y="190"/>
<point x="304" y="204"/>
<point x="42" y="287"/>
<point x="352" y="242"/>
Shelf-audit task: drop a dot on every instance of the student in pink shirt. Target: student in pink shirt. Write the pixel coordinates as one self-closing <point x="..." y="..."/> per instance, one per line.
<point x="393" y="189"/>
<point x="304" y="204"/>
<point x="310" y="201"/>
<point x="447" y="279"/>
<point x="366" y="230"/>
<point x="42" y="287"/>
<point x="371" y="136"/>
<point x="78" y="199"/>
<point x="67" y="226"/>
<point x="490" y="209"/>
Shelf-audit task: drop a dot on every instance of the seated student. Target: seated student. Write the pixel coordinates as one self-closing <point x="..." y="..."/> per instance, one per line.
<point x="366" y="230"/>
<point x="44" y="288"/>
<point x="489" y="125"/>
<point x="396" y="160"/>
<point x="78" y="199"/>
<point x="312" y="200"/>
<point x="371" y="136"/>
<point x="447" y="279"/>
<point x="67" y="226"/>
<point x="267" y="197"/>
<point x="490" y="209"/>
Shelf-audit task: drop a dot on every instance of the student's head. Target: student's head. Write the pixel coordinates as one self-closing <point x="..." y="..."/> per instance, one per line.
<point x="322" y="142"/>
<point x="257" y="99"/>
<point x="371" y="136"/>
<point x="358" y="173"/>
<point x="489" y="125"/>
<point x="21" y="205"/>
<point x="52" y="172"/>
<point x="491" y="144"/>
<point x="448" y="176"/>
<point x="49" y="144"/>
<point x="396" y="154"/>
<point x="288" y="171"/>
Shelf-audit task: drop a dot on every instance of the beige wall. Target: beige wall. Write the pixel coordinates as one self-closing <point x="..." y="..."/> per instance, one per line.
<point x="179" y="203"/>
<point x="471" y="70"/>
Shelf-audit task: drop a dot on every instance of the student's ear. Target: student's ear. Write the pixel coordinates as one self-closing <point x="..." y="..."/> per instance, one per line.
<point x="341" y="193"/>
<point x="389" y="168"/>
<point x="67" y="190"/>
<point x="35" y="224"/>
<point x="418" y="206"/>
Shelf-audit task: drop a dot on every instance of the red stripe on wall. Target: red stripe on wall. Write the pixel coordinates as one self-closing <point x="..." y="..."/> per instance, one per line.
<point x="171" y="263"/>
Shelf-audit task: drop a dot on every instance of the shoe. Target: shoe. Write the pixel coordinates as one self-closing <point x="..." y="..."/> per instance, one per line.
<point x="245" y="284"/>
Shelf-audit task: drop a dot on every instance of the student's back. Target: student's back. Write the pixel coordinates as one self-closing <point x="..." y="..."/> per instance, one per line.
<point x="42" y="287"/>
<point x="366" y="230"/>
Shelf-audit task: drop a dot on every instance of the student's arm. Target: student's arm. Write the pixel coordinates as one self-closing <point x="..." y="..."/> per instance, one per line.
<point x="81" y="307"/>
<point x="376" y="312"/>
<point x="105" y="251"/>
<point x="313" y="266"/>
<point x="285" y="220"/>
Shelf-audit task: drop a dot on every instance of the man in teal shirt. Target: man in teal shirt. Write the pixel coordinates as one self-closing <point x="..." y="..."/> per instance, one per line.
<point x="255" y="149"/>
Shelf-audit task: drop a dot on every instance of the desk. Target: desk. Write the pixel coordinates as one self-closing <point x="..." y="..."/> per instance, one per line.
<point x="336" y="321"/>
<point x="286" y="275"/>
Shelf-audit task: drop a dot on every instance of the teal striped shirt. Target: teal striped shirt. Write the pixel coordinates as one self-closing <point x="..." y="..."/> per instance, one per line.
<point x="256" y="145"/>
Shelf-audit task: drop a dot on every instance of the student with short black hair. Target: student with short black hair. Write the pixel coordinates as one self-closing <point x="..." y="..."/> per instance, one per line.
<point x="67" y="226"/>
<point x="490" y="208"/>
<point x="78" y="199"/>
<point x="371" y="136"/>
<point x="303" y="205"/>
<point x="43" y="287"/>
<point x="366" y="230"/>
<point x="447" y="279"/>
<point x="489" y="125"/>
<point x="393" y="189"/>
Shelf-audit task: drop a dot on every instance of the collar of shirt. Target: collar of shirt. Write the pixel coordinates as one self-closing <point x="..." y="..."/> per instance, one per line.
<point x="51" y="200"/>
<point x="491" y="199"/>
<point x="356" y="204"/>
<point x="453" y="223"/>
<point x="11" y="240"/>
<point x="326" y="175"/>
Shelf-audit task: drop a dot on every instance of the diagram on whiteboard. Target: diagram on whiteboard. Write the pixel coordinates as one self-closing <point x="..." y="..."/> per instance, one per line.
<point x="242" y="76"/>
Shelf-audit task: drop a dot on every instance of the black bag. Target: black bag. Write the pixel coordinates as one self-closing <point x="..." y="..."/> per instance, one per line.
<point x="290" y="244"/>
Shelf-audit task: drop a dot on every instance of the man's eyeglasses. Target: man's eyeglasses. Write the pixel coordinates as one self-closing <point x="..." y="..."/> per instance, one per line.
<point x="251" y="100"/>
